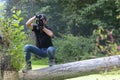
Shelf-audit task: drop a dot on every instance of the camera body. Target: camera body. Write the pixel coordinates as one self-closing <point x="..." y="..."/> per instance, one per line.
<point x="39" y="21"/>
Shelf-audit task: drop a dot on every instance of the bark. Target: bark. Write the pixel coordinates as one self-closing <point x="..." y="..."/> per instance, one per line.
<point x="0" y="68"/>
<point x="0" y="75"/>
<point x="73" y="69"/>
<point x="7" y="71"/>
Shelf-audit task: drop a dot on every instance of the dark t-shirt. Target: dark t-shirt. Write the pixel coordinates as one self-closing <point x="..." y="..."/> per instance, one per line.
<point x="42" y="39"/>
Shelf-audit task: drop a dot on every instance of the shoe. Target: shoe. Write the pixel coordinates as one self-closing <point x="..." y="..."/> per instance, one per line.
<point x="51" y="62"/>
<point x="27" y="68"/>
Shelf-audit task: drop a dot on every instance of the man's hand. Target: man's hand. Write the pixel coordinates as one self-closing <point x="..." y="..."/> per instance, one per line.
<point x="29" y="23"/>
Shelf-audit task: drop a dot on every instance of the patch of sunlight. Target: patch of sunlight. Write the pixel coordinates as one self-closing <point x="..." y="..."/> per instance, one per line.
<point x="39" y="66"/>
<point x="98" y="77"/>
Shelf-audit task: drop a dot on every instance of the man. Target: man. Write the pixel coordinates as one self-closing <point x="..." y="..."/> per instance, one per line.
<point x="44" y="46"/>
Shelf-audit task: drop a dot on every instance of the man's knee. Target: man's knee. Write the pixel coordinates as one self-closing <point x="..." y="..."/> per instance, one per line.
<point x="51" y="50"/>
<point x="27" y="47"/>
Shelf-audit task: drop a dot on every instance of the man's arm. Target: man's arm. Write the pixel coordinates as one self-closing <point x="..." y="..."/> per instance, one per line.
<point x="29" y="23"/>
<point x="48" y="32"/>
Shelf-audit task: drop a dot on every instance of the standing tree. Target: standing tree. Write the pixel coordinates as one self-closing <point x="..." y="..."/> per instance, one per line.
<point x="13" y="38"/>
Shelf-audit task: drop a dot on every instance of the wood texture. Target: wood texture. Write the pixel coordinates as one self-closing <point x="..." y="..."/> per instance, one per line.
<point x="73" y="69"/>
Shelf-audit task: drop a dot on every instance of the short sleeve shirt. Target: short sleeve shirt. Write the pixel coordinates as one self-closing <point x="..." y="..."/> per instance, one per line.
<point x="42" y="39"/>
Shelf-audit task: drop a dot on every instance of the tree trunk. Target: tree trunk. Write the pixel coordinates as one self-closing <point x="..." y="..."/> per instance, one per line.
<point x="0" y="75"/>
<point x="0" y="67"/>
<point x="73" y="69"/>
<point x="7" y="71"/>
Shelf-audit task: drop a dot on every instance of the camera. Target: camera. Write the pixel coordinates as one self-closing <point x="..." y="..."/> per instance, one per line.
<point x="39" y="21"/>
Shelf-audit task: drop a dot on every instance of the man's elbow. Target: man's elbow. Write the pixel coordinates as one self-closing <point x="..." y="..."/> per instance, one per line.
<point x="27" y="24"/>
<point x="51" y="35"/>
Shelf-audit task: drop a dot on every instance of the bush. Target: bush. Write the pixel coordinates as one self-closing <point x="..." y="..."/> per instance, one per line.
<point x="71" y="48"/>
<point x="13" y="38"/>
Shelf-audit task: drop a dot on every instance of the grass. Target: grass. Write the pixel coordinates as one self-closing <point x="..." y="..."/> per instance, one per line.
<point x="39" y="66"/>
<point x="43" y="61"/>
<point x="113" y="75"/>
<point x="40" y="63"/>
<point x="98" y="77"/>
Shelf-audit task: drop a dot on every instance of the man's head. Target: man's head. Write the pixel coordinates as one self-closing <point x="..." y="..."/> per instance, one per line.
<point x="41" y="19"/>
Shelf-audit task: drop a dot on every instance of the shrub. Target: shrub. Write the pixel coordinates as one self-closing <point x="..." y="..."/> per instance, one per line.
<point x="71" y="48"/>
<point x="13" y="38"/>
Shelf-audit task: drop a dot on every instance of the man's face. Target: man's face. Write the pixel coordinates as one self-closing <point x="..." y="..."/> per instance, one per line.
<point x="44" y="21"/>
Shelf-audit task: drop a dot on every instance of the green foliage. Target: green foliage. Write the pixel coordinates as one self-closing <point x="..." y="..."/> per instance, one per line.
<point x="13" y="38"/>
<point x="91" y="13"/>
<point x="72" y="16"/>
<point x="71" y="48"/>
<point x="2" y="7"/>
<point x="110" y="48"/>
<point x="77" y="17"/>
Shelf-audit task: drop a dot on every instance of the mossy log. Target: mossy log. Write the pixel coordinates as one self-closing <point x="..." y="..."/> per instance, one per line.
<point x="73" y="69"/>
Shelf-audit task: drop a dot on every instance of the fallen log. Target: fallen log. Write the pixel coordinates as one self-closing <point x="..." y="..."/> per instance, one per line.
<point x="73" y="69"/>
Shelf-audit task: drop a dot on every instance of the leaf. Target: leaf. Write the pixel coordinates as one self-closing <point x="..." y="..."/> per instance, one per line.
<point x="118" y="17"/>
<point x="18" y="13"/>
<point x="15" y="24"/>
<point x="20" y="19"/>
<point x="15" y="16"/>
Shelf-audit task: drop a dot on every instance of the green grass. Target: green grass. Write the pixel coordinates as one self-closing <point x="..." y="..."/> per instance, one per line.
<point x="43" y="61"/>
<point x="39" y="66"/>
<point x="40" y="63"/>
<point x="98" y="77"/>
<point x="113" y="75"/>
